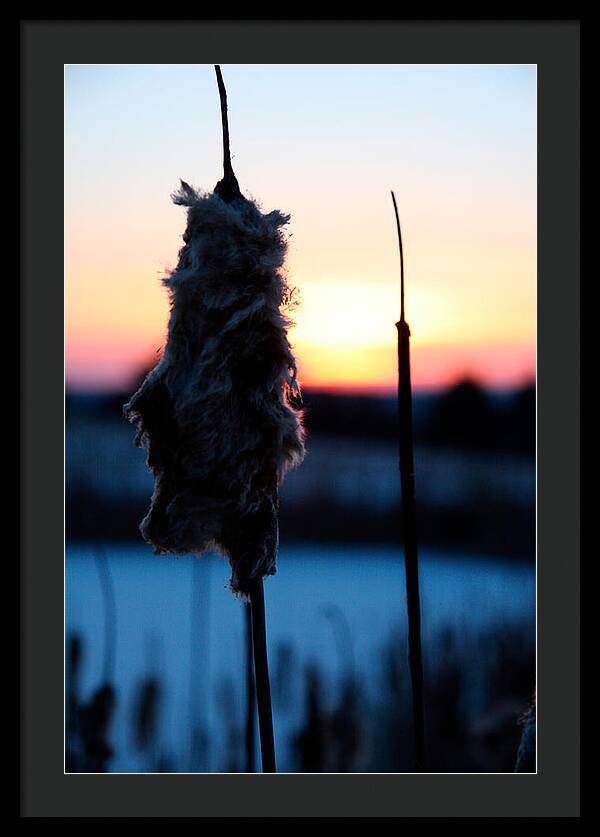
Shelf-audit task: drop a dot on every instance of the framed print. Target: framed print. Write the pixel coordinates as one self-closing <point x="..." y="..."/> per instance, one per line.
<point x="294" y="507"/>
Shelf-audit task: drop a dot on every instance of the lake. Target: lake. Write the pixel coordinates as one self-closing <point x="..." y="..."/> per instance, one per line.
<point x="334" y="606"/>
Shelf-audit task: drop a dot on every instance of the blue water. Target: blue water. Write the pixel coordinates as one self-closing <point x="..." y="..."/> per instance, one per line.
<point x="331" y="604"/>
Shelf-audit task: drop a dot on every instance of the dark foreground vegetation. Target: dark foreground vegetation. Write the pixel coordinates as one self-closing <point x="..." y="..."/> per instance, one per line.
<point x="478" y="690"/>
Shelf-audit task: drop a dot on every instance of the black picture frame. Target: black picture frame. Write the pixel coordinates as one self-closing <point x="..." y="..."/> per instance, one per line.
<point x="46" y="46"/>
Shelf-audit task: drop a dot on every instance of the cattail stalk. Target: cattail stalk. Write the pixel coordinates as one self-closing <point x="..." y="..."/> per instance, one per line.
<point x="250" y="691"/>
<point x="261" y="674"/>
<point x="409" y="516"/>
<point x="200" y="606"/>
<point x="228" y="189"/>
<point x="109" y="614"/>
<point x="219" y="414"/>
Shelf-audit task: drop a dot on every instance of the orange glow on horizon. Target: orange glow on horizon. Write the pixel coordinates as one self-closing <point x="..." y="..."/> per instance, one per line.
<point x="343" y="334"/>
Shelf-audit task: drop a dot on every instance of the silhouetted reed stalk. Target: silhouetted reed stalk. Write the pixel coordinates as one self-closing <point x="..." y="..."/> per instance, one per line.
<point x="343" y="638"/>
<point x="229" y="190"/>
<point x="199" y="664"/>
<point x="109" y="611"/>
<point x="250" y="691"/>
<point x="219" y="414"/>
<point x="228" y="187"/>
<point x="95" y="716"/>
<point x="261" y="674"/>
<point x="409" y="517"/>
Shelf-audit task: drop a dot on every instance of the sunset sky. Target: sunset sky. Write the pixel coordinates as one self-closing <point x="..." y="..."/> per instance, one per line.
<point x="325" y="143"/>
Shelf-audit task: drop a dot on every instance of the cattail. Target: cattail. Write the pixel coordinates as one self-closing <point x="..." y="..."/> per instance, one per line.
<point x="409" y="516"/>
<point x="250" y="690"/>
<point x="219" y="414"/>
<point x="526" y="755"/>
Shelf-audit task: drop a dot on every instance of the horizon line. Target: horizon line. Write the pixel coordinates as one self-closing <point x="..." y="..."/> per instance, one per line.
<point x="377" y="391"/>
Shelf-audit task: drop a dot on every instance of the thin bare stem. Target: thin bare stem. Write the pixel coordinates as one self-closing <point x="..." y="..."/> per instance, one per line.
<point x="409" y="518"/>
<point x="227" y="169"/>
<point x="250" y="691"/>
<point x="261" y="677"/>
<point x="227" y="188"/>
<point x="401" y="259"/>
<point x="110" y="613"/>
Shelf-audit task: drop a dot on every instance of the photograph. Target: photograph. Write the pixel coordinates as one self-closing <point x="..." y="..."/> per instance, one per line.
<point x="300" y="406"/>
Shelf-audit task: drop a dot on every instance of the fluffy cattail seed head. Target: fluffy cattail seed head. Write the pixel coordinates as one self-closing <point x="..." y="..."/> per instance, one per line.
<point x="219" y="413"/>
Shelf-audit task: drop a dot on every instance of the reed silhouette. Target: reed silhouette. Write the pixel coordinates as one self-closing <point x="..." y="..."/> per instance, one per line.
<point x="409" y="516"/>
<point x="478" y="689"/>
